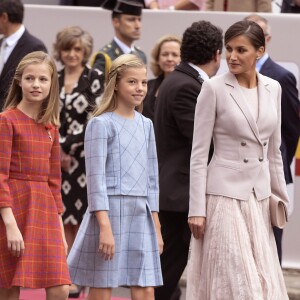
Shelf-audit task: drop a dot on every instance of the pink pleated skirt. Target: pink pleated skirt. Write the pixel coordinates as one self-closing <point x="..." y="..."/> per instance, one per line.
<point x="237" y="257"/>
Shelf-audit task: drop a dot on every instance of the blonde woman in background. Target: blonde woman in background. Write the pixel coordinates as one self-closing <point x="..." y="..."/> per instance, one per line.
<point x="165" y="56"/>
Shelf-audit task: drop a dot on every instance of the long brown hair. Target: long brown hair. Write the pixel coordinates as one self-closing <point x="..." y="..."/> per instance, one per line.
<point x="119" y="65"/>
<point x="49" y="112"/>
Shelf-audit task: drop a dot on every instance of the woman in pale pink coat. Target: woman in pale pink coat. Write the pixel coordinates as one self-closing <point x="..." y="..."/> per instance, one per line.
<point x="233" y="250"/>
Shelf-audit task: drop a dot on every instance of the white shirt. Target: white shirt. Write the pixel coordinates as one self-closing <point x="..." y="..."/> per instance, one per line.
<point x="261" y="61"/>
<point x="203" y="75"/>
<point x="12" y="41"/>
<point x="125" y="49"/>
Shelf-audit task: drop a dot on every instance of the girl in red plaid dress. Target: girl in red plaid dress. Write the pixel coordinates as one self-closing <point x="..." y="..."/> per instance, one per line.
<point x="32" y="242"/>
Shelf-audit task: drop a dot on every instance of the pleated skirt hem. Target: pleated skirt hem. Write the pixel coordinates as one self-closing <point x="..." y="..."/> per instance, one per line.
<point x="237" y="257"/>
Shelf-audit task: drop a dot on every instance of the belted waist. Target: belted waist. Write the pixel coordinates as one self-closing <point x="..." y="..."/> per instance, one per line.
<point x="28" y="177"/>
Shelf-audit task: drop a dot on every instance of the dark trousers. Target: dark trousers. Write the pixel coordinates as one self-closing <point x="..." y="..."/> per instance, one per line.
<point x="278" y="238"/>
<point x="176" y="235"/>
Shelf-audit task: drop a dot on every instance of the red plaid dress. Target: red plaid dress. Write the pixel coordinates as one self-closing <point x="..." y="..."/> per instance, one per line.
<point x="30" y="181"/>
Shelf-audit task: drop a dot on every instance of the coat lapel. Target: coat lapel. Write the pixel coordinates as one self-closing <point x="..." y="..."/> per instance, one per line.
<point x="239" y="98"/>
<point x="263" y="96"/>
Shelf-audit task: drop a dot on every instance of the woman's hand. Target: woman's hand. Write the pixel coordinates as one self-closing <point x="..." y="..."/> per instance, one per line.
<point x="106" y="242"/>
<point x="65" y="161"/>
<point x="15" y="241"/>
<point x="197" y="226"/>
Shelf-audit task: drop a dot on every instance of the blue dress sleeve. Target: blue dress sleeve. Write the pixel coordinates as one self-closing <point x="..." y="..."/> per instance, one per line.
<point x="153" y="187"/>
<point x="95" y="145"/>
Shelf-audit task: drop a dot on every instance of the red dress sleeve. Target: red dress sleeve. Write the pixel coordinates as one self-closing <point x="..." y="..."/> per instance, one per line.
<point x="55" y="171"/>
<point x="6" y="138"/>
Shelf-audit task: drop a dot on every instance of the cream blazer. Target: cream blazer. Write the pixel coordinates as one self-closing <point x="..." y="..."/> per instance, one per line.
<point x="246" y="152"/>
<point x="240" y="5"/>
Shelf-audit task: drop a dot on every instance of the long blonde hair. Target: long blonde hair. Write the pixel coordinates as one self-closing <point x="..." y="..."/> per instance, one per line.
<point x="49" y="112"/>
<point x="109" y="98"/>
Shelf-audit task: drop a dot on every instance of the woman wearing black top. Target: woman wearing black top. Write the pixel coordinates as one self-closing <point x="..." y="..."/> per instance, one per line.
<point x="165" y="56"/>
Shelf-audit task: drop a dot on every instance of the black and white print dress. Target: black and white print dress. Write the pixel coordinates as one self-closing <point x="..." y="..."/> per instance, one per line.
<point x="75" y="108"/>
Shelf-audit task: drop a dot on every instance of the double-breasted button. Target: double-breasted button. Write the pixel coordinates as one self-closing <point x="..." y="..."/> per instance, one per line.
<point x="243" y="143"/>
<point x="261" y="159"/>
<point x="246" y="160"/>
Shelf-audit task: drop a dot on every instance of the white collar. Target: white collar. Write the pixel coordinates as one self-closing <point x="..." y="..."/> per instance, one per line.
<point x="125" y="49"/>
<point x="13" y="38"/>
<point x="202" y="74"/>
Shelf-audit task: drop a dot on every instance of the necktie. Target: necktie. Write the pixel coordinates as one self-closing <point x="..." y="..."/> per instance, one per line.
<point x="2" y="54"/>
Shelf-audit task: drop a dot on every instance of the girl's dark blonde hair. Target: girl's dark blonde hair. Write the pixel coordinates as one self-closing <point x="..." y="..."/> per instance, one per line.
<point x="49" y="112"/>
<point x="117" y="69"/>
<point x="68" y="37"/>
<point x="155" y="68"/>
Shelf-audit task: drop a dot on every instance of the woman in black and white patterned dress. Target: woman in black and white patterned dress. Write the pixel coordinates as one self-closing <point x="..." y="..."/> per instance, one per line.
<point x="80" y="89"/>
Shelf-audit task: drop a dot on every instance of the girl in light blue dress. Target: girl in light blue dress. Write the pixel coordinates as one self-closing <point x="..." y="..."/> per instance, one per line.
<point x="119" y="240"/>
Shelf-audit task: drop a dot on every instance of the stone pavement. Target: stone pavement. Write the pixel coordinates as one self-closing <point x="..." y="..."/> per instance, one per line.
<point x="292" y="280"/>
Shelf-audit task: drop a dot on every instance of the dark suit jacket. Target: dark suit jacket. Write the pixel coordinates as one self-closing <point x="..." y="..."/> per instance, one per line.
<point x="290" y="128"/>
<point x="113" y="51"/>
<point x="288" y="7"/>
<point x="174" y="124"/>
<point x="149" y="103"/>
<point x="26" y="44"/>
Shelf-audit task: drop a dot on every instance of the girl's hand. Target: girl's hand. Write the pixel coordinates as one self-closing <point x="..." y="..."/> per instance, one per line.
<point x="160" y="240"/>
<point x="197" y="226"/>
<point x="15" y="241"/>
<point x="65" y="246"/>
<point x="106" y="242"/>
<point x="63" y="234"/>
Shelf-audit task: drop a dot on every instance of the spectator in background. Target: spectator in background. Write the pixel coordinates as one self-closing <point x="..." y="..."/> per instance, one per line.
<point x="290" y="6"/>
<point x="81" y="2"/>
<point x="79" y="89"/>
<point x="289" y="110"/>
<point x="175" y="4"/>
<point x="15" y="44"/>
<point x="174" y="124"/>
<point x="165" y="57"/>
<point x="96" y="3"/>
<point x="238" y="5"/>
<point x="126" y="20"/>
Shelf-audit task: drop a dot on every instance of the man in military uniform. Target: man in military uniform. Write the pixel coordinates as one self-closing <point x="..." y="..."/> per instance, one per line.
<point x="126" y="20"/>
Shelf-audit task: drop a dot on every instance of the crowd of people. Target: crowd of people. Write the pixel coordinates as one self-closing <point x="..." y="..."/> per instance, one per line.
<point x="109" y="179"/>
<point x="286" y="6"/>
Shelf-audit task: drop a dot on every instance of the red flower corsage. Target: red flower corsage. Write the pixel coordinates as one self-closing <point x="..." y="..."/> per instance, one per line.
<point x="48" y="128"/>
